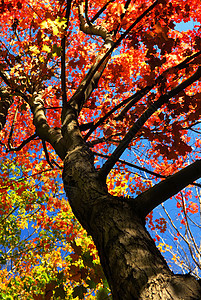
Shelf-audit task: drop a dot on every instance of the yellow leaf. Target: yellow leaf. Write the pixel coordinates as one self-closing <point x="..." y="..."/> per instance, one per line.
<point x="34" y="50"/>
<point x="46" y="48"/>
<point x="55" y="30"/>
<point x="44" y="24"/>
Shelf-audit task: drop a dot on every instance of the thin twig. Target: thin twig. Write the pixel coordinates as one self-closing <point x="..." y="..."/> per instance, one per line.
<point x="29" y="139"/>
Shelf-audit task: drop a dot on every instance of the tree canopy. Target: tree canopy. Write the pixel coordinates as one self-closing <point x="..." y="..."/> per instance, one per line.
<point x="104" y="98"/>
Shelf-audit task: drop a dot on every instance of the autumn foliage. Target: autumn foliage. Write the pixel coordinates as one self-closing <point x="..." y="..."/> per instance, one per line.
<point x="145" y="103"/>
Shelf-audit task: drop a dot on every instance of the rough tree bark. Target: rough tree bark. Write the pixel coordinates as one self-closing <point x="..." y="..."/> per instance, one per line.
<point x="133" y="265"/>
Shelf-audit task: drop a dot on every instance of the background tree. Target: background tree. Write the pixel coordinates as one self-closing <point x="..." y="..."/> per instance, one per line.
<point x="82" y="82"/>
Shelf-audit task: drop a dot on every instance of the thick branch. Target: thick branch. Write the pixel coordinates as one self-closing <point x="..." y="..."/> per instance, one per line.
<point x="5" y="103"/>
<point x="162" y="191"/>
<point x="90" y="81"/>
<point x="88" y="28"/>
<point x="43" y="130"/>
<point x="142" y="120"/>
<point x="86" y="13"/>
<point x="88" y="84"/>
<point x="46" y="154"/>
<point x="12" y="129"/>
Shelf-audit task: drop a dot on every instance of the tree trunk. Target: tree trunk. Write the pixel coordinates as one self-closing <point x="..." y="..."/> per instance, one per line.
<point x="133" y="265"/>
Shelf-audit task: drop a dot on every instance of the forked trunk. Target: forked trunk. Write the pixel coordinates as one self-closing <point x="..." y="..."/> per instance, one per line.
<point x="133" y="265"/>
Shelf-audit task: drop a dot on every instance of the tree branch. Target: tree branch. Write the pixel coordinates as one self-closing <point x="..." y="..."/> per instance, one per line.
<point x="101" y="11"/>
<point x="86" y="13"/>
<point x="147" y="11"/>
<point x="138" y="95"/>
<point x="132" y="165"/>
<point x="134" y="98"/>
<point x="29" y="139"/>
<point x="122" y="16"/>
<point x="180" y="66"/>
<point x="5" y="104"/>
<point x="43" y="130"/>
<point x="102" y="140"/>
<point x="63" y="56"/>
<point x="46" y="154"/>
<point x="88" y="27"/>
<point x="104" y="171"/>
<point x="90" y="81"/>
<point x="124" y="162"/>
<point x="12" y="128"/>
<point x="162" y="191"/>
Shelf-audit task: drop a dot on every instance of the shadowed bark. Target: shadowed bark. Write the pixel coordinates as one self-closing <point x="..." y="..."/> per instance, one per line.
<point x="5" y="103"/>
<point x="133" y="265"/>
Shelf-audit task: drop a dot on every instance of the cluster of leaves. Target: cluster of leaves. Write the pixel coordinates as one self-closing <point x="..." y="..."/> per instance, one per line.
<point x="44" y="252"/>
<point x="35" y="218"/>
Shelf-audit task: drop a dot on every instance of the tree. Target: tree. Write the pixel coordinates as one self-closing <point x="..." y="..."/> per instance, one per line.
<point x="87" y="80"/>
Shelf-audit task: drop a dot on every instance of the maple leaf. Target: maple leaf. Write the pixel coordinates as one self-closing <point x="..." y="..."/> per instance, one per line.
<point x="121" y="79"/>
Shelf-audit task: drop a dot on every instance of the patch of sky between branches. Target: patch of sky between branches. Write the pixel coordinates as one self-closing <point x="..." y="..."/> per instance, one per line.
<point x="182" y="26"/>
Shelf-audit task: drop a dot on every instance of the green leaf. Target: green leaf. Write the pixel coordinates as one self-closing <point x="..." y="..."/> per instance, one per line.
<point x="59" y="293"/>
<point x="56" y="50"/>
<point x="87" y="259"/>
<point x="91" y="284"/>
<point x="6" y="297"/>
<point x="2" y="260"/>
<point x="102" y="294"/>
<point x="79" y="291"/>
<point x="23" y="107"/>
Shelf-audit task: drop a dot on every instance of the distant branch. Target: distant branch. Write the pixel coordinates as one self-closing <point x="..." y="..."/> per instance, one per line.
<point x="131" y="101"/>
<point x="102" y="140"/>
<point x="14" y="90"/>
<point x="122" y="16"/>
<point x="63" y="56"/>
<point x="180" y="66"/>
<point x="132" y="165"/>
<point x="104" y="171"/>
<point x="101" y="11"/>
